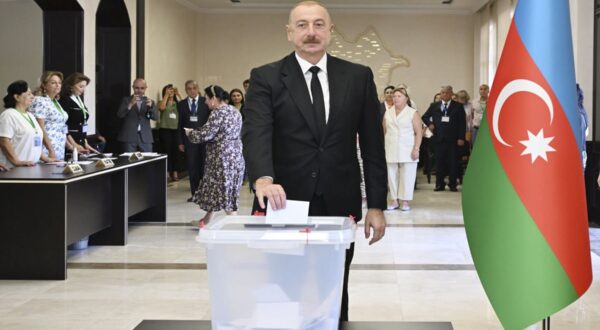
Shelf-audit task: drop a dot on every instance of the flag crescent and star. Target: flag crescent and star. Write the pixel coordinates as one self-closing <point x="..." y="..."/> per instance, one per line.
<point x="523" y="198"/>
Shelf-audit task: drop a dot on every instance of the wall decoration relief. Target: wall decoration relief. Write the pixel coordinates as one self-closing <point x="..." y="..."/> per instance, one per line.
<point x="368" y="49"/>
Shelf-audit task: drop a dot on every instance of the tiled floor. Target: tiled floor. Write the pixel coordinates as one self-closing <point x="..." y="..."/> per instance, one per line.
<point x="421" y="271"/>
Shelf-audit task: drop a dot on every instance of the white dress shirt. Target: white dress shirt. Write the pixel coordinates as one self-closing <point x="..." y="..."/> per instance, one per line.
<point x="190" y="102"/>
<point x="322" y="75"/>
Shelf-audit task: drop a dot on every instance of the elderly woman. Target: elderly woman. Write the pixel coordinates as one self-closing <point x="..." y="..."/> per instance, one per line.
<point x="50" y="114"/>
<point x="20" y="134"/>
<point x="402" y="127"/>
<point x="71" y="101"/>
<point x="219" y="189"/>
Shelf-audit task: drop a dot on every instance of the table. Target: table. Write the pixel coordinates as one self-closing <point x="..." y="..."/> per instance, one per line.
<point x="205" y="325"/>
<point x="42" y="211"/>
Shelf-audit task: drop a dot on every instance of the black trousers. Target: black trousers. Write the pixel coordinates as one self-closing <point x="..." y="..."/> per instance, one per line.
<point x="318" y="208"/>
<point x="446" y="163"/>
<point x="168" y="145"/>
<point x="195" y="155"/>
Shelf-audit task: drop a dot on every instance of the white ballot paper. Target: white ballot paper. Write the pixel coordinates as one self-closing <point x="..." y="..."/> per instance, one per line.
<point x="295" y="212"/>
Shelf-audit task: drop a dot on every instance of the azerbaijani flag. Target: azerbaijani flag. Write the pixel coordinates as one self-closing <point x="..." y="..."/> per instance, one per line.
<point x="524" y="200"/>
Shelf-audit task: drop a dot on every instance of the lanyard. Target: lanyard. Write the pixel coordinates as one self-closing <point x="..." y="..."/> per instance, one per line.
<point x="26" y="116"/>
<point x="57" y="105"/>
<point x="81" y="106"/>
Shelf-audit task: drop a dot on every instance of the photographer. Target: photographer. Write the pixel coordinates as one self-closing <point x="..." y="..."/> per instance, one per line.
<point x="136" y="111"/>
<point x="167" y="128"/>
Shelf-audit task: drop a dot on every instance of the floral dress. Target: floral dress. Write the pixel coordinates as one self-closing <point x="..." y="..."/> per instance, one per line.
<point x="55" y="122"/>
<point x="219" y="189"/>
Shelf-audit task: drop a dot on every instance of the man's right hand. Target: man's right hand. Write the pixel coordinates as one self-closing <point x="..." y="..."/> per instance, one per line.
<point x="273" y="192"/>
<point x="181" y="148"/>
<point x="431" y="127"/>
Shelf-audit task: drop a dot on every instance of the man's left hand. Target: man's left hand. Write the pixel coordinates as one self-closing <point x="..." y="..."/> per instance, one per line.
<point x="376" y="220"/>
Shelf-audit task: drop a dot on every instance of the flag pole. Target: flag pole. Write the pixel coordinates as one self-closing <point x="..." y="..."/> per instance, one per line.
<point x="546" y="323"/>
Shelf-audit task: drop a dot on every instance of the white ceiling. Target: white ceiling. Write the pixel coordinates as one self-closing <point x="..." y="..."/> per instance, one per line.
<point x="408" y="6"/>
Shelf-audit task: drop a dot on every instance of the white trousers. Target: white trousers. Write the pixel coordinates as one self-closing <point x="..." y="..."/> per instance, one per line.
<point x="401" y="180"/>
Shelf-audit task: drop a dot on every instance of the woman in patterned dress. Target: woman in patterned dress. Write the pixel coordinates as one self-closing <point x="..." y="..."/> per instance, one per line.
<point x="50" y="115"/>
<point x="219" y="189"/>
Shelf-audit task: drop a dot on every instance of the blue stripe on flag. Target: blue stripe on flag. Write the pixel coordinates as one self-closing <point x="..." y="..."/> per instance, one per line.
<point x="545" y="28"/>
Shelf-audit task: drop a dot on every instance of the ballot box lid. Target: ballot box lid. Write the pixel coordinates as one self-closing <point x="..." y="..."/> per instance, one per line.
<point x="254" y="230"/>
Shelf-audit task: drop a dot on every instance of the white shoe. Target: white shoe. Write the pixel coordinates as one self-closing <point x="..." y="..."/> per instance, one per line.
<point x="405" y="208"/>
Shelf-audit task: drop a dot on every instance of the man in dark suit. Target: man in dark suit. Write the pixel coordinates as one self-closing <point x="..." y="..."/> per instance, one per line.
<point x="193" y="113"/>
<point x="303" y="116"/>
<point x="136" y="111"/>
<point x="446" y="120"/>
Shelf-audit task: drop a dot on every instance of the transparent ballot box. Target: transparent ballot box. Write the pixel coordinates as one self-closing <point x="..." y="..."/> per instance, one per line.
<point x="276" y="277"/>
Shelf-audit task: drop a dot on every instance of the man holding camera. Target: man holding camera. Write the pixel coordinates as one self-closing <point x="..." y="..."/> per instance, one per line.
<point x="136" y="111"/>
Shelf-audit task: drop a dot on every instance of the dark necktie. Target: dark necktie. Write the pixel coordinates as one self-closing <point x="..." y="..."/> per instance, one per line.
<point x="318" y="100"/>
<point x="445" y="108"/>
<point x="194" y="107"/>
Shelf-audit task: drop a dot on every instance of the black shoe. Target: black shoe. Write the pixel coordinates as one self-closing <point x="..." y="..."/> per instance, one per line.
<point x="189" y="200"/>
<point x="453" y="189"/>
<point x="439" y="189"/>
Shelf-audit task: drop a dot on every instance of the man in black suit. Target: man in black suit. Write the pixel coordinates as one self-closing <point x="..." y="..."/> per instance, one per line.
<point x="446" y="120"/>
<point x="193" y="113"/>
<point x="303" y="114"/>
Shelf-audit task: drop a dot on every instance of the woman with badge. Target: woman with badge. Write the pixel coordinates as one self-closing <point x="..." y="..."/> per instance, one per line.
<point x="50" y="115"/>
<point x="20" y="134"/>
<point x="167" y="128"/>
<point x="71" y="101"/>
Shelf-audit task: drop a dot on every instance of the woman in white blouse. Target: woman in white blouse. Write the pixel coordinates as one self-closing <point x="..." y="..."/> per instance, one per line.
<point x="20" y="134"/>
<point x="402" y="127"/>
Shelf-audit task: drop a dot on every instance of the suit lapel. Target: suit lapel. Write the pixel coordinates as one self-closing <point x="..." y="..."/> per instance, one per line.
<point x="338" y="83"/>
<point x="294" y="81"/>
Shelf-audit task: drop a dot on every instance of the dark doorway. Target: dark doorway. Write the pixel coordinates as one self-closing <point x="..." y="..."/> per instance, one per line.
<point x="63" y="35"/>
<point x="113" y="67"/>
<point x="593" y="147"/>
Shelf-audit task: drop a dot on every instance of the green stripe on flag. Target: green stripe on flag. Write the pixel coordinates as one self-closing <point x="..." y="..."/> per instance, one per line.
<point x="520" y="274"/>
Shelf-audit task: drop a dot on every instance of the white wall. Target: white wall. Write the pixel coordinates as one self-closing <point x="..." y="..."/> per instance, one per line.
<point x="170" y="46"/>
<point x="21" y="33"/>
<point x="439" y="47"/>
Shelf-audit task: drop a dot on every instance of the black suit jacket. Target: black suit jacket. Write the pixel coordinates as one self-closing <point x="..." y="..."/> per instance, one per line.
<point x="133" y="117"/>
<point x="280" y="135"/>
<point x="77" y="119"/>
<point x="185" y="112"/>
<point x="446" y="132"/>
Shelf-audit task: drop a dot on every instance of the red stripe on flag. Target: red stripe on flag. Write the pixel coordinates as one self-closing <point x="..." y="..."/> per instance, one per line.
<point x="552" y="190"/>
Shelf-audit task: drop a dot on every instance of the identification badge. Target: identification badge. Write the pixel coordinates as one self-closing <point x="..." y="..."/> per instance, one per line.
<point x="445" y="119"/>
<point x="37" y="141"/>
<point x="194" y="119"/>
<point x="85" y="128"/>
<point x="172" y="115"/>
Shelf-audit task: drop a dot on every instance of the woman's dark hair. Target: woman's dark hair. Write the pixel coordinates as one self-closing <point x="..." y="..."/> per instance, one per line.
<point x="16" y="88"/>
<point x="236" y="90"/>
<point x="72" y="80"/>
<point x="218" y="91"/>
<point x="389" y="87"/>
<point x="164" y="92"/>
